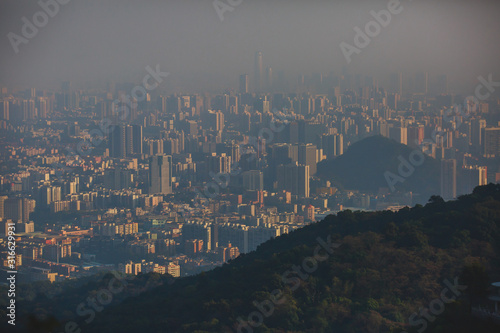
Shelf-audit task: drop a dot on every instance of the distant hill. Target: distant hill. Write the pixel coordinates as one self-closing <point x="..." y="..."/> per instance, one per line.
<point x="364" y="164"/>
<point x="373" y="271"/>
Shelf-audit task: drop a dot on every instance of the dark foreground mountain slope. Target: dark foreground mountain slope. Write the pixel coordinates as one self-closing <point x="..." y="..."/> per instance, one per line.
<point x="363" y="165"/>
<point x="385" y="267"/>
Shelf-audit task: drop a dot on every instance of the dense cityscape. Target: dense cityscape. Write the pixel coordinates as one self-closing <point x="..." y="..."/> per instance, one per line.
<point x="249" y="166"/>
<point x="180" y="184"/>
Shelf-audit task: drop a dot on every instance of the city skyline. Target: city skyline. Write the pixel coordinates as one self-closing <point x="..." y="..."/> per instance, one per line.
<point x="69" y="46"/>
<point x="189" y="166"/>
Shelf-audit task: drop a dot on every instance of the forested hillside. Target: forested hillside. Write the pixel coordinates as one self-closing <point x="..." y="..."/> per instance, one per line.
<point x="353" y="272"/>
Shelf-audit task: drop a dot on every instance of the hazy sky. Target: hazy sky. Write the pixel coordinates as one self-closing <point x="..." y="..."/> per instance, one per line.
<point x="94" y="41"/>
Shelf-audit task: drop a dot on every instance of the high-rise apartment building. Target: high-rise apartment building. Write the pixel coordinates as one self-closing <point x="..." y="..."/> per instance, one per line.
<point x="492" y="141"/>
<point x="399" y="134"/>
<point x="233" y="150"/>
<point x="198" y="230"/>
<point x="258" y="73"/>
<point x="308" y="156"/>
<point x="253" y="180"/>
<point x="137" y="139"/>
<point x="243" y="84"/>
<point x="118" y="141"/>
<point x="18" y="209"/>
<point x="448" y="179"/>
<point x="477" y="127"/>
<point x="332" y="145"/>
<point x="415" y="136"/>
<point x="218" y="163"/>
<point x="269" y="79"/>
<point x="160" y="174"/>
<point x="2" y="203"/>
<point x="421" y="83"/>
<point x="294" y="178"/>
<point x="43" y="107"/>
<point x="125" y="140"/>
<point x="396" y="83"/>
<point x="472" y="177"/>
<point x="4" y="110"/>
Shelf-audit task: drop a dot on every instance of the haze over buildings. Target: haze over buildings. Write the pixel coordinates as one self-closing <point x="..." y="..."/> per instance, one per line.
<point x="168" y="137"/>
<point x="94" y="42"/>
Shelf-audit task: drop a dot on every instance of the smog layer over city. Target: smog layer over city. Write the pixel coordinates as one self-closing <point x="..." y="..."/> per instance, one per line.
<point x="250" y="166"/>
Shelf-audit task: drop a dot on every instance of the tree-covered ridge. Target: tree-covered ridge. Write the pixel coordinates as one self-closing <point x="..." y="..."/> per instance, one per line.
<point x="387" y="267"/>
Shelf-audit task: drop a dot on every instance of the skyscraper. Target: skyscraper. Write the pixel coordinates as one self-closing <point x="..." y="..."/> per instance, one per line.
<point x="399" y="134"/>
<point x="244" y="83"/>
<point x="294" y="178"/>
<point x="137" y="139"/>
<point x="65" y="101"/>
<point x="492" y="141"/>
<point x="233" y="150"/>
<point x="448" y="179"/>
<point x="307" y="156"/>
<point x="332" y="145"/>
<point x="396" y="83"/>
<point x="218" y="163"/>
<point x="125" y="140"/>
<point x="42" y="106"/>
<point x="253" y="180"/>
<point x="118" y="141"/>
<point x="4" y="110"/>
<point x="442" y="84"/>
<point x="160" y="174"/>
<point x="129" y="143"/>
<point x="133" y="110"/>
<point x="2" y="203"/>
<point x="415" y="135"/>
<point x="198" y="230"/>
<point x="269" y="79"/>
<point x="216" y="120"/>
<point x="472" y="177"/>
<point x="101" y="109"/>
<point x="258" y="73"/>
<point x="421" y="82"/>
<point x="476" y="132"/>
<point x="233" y="105"/>
<point x="18" y="209"/>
